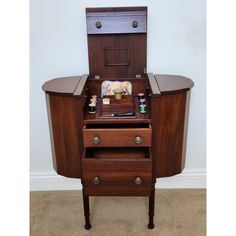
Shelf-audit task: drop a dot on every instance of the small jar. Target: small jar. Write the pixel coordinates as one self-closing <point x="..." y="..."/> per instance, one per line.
<point x="92" y="108"/>
<point x="118" y="93"/>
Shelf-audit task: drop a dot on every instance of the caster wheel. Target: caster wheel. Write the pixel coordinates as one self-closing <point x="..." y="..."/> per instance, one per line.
<point x="151" y="226"/>
<point x="87" y="227"/>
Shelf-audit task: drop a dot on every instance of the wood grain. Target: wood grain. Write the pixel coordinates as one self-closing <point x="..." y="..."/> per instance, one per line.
<point x="66" y="121"/>
<point x="120" y="190"/>
<point x="155" y="91"/>
<point x="114" y="10"/>
<point x="81" y="86"/>
<point x="116" y="176"/>
<point x="168" y="140"/>
<point x="120" y="153"/>
<point x="173" y="83"/>
<point x="116" y="24"/>
<point x="61" y="85"/>
<point x="116" y="165"/>
<point x="137" y="55"/>
<point x="122" y="137"/>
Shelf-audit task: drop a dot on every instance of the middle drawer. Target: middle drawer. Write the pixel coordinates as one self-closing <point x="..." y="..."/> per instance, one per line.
<point x="117" y="137"/>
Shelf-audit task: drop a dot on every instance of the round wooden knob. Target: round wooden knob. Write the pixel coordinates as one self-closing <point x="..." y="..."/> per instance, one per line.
<point x="138" y="140"/>
<point x="135" y="24"/>
<point x="98" y="24"/>
<point x="96" y="140"/>
<point x="96" y="180"/>
<point x="138" y="181"/>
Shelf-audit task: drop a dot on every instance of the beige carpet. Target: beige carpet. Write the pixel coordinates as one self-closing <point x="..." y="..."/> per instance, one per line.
<point x="179" y="212"/>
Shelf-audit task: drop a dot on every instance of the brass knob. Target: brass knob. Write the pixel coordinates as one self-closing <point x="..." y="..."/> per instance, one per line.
<point x="138" y="140"/>
<point x="138" y="181"/>
<point x="96" y="140"/>
<point x="98" y="24"/>
<point x="135" y="24"/>
<point x="96" y="180"/>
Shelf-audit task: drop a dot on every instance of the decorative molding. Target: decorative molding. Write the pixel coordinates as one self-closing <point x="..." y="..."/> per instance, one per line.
<point x="45" y="181"/>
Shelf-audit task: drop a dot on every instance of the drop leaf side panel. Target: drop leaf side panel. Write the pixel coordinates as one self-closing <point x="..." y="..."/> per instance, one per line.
<point x="168" y="122"/>
<point x="66" y="121"/>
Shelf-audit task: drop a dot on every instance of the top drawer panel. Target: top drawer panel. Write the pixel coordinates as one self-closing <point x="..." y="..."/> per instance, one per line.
<point x="116" y="22"/>
<point x="117" y="137"/>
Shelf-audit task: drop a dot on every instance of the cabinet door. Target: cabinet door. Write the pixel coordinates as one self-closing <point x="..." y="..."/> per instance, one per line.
<point x="170" y="96"/>
<point x="65" y="115"/>
<point x="169" y="122"/>
<point x="66" y="98"/>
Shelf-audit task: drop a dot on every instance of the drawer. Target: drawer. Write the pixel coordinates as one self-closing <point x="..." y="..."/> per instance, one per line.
<point x="115" y="177"/>
<point x="117" y="137"/>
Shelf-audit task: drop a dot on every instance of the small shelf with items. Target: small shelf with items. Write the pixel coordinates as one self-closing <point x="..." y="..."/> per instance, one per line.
<point x="118" y="101"/>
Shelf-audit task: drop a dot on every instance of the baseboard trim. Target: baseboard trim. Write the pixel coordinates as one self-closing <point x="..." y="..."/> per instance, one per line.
<point x="45" y="181"/>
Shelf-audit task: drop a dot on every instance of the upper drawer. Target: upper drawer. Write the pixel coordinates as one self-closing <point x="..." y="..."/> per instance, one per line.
<point x="116" y="22"/>
<point x="117" y="137"/>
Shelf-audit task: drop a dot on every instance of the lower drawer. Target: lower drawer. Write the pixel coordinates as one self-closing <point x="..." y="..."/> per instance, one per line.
<point x="116" y="177"/>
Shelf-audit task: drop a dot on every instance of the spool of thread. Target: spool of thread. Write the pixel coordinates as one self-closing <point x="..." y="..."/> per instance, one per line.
<point x="93" y="101"/>
<point x="141" y="101"/>
<point x="94" y="97"/>
<point x="106" y="101"/>
<point x="92" y="108"/>
<point x="141" y="96"/>
<point x="142" y="108"/>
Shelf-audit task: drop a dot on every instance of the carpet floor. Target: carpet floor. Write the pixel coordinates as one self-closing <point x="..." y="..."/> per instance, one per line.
<point x="178" y="212"/>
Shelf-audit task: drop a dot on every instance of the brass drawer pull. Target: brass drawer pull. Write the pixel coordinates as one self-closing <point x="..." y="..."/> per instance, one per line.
<point x="135" y="24"/>
<point x="138" y="140"/>
<point x="98" y="24"/>
<point x="138" y="181"/>
<point x="96" y="180"/>
<point x="96" y="140"/>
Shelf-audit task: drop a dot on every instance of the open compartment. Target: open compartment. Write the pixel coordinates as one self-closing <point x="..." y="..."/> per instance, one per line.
<point x="117" y="153"/>
<point x="117" y="125"/>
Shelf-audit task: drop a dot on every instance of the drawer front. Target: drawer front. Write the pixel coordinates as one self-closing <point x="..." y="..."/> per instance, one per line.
<point x="108" y="23"/>
<point x="117" y="177"/>
<point x="122" y="137"/>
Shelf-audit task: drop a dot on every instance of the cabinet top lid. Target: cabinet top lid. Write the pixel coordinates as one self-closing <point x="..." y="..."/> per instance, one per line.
<point x="117" y="41"/>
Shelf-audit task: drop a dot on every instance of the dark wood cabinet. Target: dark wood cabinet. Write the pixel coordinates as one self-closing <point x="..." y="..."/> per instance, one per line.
<point x="118" y="156"/>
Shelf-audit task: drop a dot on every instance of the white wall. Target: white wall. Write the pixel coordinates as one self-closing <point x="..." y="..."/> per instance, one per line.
<point x="176" y="45"/>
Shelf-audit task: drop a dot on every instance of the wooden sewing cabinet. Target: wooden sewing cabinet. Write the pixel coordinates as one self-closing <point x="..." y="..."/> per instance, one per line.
<point x="118" y="156"/>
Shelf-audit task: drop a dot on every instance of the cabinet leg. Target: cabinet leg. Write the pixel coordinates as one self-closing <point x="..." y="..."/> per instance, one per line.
<point x="86" y="212"/>
<point x="151" y="209"/>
